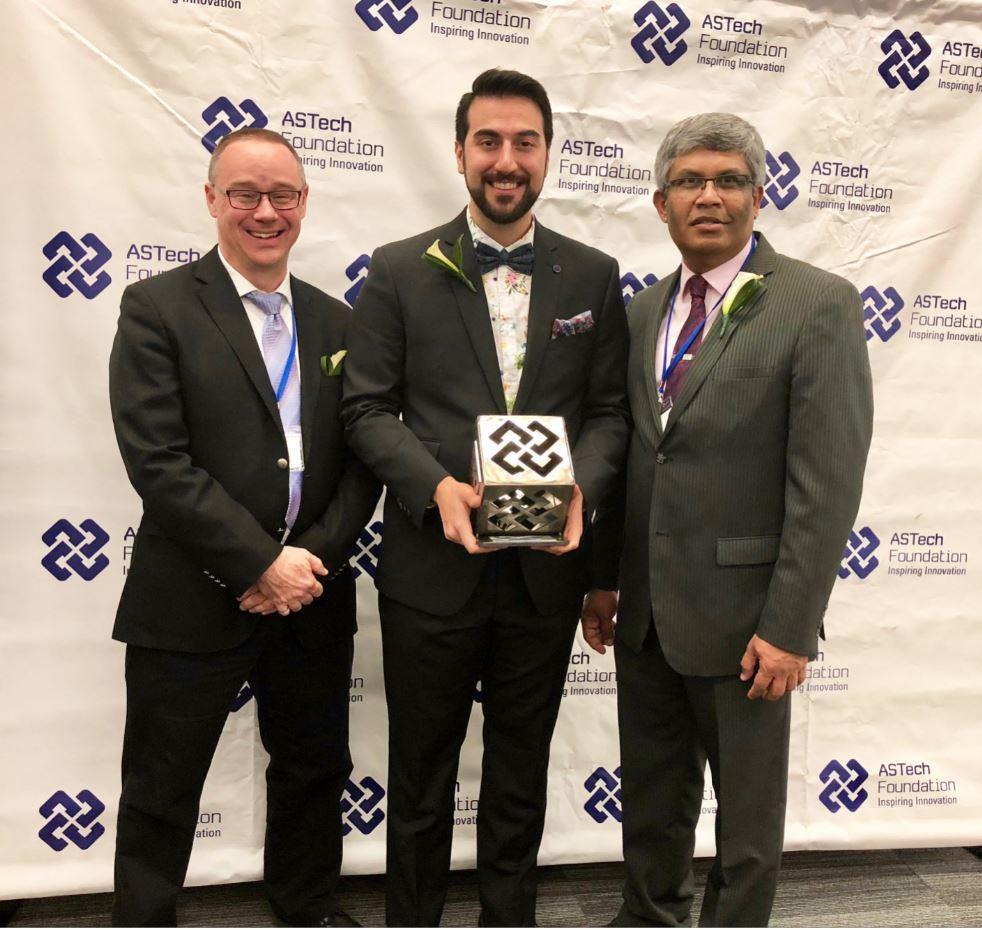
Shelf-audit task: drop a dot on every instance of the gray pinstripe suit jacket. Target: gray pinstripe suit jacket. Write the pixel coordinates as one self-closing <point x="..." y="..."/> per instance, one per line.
<point x="737" y="512"/>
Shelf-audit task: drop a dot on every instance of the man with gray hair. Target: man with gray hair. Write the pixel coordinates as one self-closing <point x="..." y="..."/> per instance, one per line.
<point x="751" y="395"/>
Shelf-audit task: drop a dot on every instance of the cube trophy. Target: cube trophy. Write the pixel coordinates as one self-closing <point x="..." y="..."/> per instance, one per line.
<point x="524" y="473"/>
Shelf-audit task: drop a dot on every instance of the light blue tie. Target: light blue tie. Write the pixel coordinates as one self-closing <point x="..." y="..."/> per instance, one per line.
<point x="276" y="351"/>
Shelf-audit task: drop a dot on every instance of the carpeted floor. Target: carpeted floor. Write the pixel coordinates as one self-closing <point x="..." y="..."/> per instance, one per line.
<point x="881" y="888"/>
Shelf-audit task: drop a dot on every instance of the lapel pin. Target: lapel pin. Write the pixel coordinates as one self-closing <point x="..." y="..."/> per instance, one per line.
<point x="557" y="268"/>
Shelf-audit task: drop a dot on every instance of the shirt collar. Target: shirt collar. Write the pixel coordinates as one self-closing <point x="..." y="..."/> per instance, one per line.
<point x="479" y="235"/>
<point x="720" y="277"/>
<point x="243" y="286"/>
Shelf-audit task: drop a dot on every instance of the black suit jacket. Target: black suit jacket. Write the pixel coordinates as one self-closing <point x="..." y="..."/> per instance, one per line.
<point x="199" y="431"/>
<point x="421" y="346"/>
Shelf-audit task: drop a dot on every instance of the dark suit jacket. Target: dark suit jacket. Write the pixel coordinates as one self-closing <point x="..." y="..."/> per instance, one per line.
<point x="199" y="431"/>
<point x="738" y="511"/>
<point x="421" y="345"/>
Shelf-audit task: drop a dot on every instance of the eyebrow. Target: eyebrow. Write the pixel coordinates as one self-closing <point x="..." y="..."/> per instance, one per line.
<point x="494" y="134"/>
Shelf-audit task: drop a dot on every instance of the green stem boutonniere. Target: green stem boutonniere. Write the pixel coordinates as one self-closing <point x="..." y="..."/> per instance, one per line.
<point x="743" y="288"/>
<point x="453" y="266"/>
<point x="331" y="364"/>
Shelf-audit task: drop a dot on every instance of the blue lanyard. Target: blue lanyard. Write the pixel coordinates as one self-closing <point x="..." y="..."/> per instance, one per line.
<point x="289" y="360"/>
<point x="669" y="367"/>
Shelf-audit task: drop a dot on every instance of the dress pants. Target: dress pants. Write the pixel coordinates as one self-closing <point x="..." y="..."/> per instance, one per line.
<point x="432" y="665"/>
<point x="670" y="724"/>
<point x="176" y="706"/>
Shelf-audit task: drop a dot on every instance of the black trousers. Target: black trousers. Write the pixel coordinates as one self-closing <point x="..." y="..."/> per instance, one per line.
<point x="432" y="665"/>
<point x="670" y="724"/>
<point x="176" y="706"/>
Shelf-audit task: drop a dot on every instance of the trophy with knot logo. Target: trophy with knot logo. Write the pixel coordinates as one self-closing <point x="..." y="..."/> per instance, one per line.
<point x="524" y="473"/>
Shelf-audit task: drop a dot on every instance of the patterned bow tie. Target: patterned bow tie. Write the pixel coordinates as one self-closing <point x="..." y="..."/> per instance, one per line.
<point x="520" y="259"/>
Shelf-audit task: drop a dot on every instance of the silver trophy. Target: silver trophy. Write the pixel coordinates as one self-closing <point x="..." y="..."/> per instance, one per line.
<point x="524" y="473"/>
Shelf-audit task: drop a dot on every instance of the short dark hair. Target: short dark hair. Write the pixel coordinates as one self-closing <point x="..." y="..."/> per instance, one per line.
<point x="251" y="132"/>
<point x="496" y="82"/>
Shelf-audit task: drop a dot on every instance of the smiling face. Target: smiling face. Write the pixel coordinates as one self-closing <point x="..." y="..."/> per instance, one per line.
<point x="503" y="159"/>
<point x="256" y="242"/>
<point x="709" y="226"/>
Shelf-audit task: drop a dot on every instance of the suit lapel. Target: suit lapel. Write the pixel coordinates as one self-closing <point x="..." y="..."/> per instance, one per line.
<point x="652" y="364"/>
<point x="473" y="307"/>
<point x="713" y="345"/>
<point x="225" y="308"/>
<point x="310" y="330"/>
<point x="544" y="299"/>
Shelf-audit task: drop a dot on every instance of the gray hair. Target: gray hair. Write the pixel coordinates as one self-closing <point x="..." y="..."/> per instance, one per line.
<point x="718" y="132"/>
<point x="251" y="132"/>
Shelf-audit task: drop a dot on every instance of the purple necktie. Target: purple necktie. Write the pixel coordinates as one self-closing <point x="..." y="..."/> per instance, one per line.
<point x="276" y="350"/>
<point x="697" y="317"/>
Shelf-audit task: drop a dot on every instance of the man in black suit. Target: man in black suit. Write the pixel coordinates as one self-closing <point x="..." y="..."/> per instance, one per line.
<point x="224" y="385"/>
<point x="530" y="322"/>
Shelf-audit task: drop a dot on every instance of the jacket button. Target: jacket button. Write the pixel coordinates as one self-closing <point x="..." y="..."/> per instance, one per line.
<point x="282" y="464"/>
<point x="661" y="458"/>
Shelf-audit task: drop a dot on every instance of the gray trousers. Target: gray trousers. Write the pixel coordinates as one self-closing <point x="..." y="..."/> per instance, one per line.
<point x="670" y="725"/>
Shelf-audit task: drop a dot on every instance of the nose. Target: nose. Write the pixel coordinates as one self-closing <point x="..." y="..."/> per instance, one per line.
<point x="264" y="210"/>
<point x="506" y="162"/>
<point x="708" y="194"/>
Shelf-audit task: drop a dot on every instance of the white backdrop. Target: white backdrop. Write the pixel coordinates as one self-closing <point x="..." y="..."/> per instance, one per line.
<point x="874" y="173"/>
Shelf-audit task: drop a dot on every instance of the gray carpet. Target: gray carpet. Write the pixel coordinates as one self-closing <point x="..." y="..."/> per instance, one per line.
<point x="880" y="888"/>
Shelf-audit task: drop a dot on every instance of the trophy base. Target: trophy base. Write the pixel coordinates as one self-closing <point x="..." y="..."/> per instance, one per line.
<point x="504" y="541"/>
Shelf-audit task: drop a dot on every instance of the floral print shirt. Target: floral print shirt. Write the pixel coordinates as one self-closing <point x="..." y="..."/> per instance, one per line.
<point x="508" y="294"/>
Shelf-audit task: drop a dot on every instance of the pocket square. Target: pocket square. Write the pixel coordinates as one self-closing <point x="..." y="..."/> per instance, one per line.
<point x="581" y="323"/>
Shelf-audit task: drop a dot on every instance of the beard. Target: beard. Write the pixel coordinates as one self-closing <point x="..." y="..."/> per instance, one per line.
<point x="505" y="214"/>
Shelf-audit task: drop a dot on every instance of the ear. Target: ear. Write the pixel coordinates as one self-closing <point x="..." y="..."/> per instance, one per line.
<point x="211" y="199"/>
<point x="758" y="196"/>
<point x="302" y="206"/>
<point x="659" y="200"/>
<point x="458" y="151"/>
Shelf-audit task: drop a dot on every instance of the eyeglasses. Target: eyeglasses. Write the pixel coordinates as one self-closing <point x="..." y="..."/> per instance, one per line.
<point x="245" y="199"/>
<point x="724" y="183"/>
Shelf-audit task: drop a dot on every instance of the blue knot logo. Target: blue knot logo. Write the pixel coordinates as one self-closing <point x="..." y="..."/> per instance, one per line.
<point x="779" y="188"/>
<point x="843" y="785"/>
<point x="631" y="285"/>
<point x="880" y="312"/>
<point x="858" y="558"/>
<point x="69" y="819"/>
<point x="661" y="33"/>
<point x="357" y="271"/>
<point x="398" y="15"/>
<point x="367" y="550"/>
<point x="76" y="264"/>
<point x="605" y="795"/>
<point x="75" y="549"/>
<point x="360" y="806"/>
<point x="904" y="60"/>
<point x="221" y="116"/>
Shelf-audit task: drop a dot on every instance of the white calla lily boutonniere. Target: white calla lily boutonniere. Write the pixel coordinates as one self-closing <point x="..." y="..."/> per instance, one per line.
<point x="744" y="286"/>
<point x="331" y="364"/>
<point x="453" y="266"/>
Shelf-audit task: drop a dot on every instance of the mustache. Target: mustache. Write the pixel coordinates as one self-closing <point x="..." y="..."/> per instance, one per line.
<point x="516" y="176"/>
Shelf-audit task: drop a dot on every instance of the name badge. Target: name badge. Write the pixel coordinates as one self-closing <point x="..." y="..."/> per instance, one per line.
<point x="294" y="448"/>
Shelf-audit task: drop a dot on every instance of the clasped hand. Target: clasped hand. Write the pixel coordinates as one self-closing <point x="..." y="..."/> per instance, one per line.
<point x="287" y="585"/>
<point x="455" y="501"/>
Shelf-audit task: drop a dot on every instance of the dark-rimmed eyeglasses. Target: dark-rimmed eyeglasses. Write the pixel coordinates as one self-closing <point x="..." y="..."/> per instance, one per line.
<point x="724" y="183"/>
<point x="244" y="199"/>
